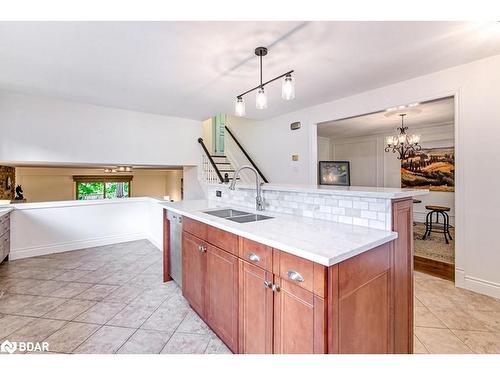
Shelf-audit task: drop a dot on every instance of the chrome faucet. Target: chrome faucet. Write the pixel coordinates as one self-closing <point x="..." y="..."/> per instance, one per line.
<point x="259" y="201"/>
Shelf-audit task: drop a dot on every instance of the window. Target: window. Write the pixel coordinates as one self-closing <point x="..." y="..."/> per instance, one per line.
<point x="102" y="187"/>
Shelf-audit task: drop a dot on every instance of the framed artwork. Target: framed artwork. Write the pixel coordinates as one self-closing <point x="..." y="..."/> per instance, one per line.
<point x="334" y="173"/>
<point x="431" y="168"/>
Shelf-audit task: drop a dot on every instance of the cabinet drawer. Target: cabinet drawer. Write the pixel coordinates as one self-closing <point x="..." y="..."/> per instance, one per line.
<point x="4" y="224"/>
<point x="223" y="240"/>
<point x="194" y="227"/>
<point x="256" y="253"/>
<point x="301" y="272"/>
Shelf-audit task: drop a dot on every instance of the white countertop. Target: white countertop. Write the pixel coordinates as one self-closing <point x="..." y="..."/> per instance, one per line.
<point x="4" y="211"/>
<point x="320" y="241"/>
<point x="356" y="191"/>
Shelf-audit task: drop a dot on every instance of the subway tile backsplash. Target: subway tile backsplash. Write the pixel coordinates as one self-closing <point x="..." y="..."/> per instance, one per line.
<point x="367" y="212"/>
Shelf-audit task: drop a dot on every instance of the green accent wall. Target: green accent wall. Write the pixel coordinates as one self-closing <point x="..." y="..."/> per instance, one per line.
<point x="218" y="128"/>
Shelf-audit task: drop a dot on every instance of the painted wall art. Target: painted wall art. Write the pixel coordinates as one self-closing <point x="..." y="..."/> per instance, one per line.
<point x="431" y="168"/>
<point x="334" y="173"/>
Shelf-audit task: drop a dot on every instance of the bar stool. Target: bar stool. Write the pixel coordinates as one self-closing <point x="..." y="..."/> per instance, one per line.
<point x="416" y="201"/>
<point x="437" y="227"/>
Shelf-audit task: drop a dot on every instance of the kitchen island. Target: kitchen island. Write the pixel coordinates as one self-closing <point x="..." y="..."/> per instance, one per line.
<point x="329" y="272"/>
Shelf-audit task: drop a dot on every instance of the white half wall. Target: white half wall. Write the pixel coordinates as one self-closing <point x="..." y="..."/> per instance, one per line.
<point x="36" y="129"/>
<point x="45" y="228"/>
<point x="476" y="87"/>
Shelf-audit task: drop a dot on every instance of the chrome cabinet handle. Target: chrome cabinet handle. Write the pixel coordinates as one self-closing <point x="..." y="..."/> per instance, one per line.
<point x="295" y="276"/>
<point x="202" y="248"/>
<point x="254" y="257"/>
<point x="268" y="284"/>
<point x="276" y="288"/>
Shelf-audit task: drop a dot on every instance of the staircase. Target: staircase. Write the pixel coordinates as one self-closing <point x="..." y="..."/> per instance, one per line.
<point x="220" y="169"/>
<point x="225" y="167"/>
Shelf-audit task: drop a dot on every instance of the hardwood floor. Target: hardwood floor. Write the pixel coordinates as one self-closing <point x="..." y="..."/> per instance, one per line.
<point x="435" y="268"/>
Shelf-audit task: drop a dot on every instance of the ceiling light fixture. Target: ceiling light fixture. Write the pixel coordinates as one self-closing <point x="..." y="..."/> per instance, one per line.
<point x="403" y="143"/>
<point x="287" y="88"/>
<point x="239" y="107"/>
<point x="118" y="169"/>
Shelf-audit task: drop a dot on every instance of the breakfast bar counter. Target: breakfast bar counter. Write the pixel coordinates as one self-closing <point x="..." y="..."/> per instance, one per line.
<point x="314" y="271"/>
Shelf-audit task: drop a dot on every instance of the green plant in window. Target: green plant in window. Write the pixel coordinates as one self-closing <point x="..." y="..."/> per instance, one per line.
<point x="90" y="190"/>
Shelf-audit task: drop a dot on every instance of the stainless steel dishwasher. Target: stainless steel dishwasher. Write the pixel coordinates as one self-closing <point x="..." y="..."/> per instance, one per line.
<point x="175" y="247"/>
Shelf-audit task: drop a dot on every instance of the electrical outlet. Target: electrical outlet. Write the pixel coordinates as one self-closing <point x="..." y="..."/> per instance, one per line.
<point x="295" y="157"/>
<point x="218" y="193"/>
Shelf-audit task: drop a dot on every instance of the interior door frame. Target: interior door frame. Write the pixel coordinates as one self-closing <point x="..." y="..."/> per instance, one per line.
<point x="460" y="219"/>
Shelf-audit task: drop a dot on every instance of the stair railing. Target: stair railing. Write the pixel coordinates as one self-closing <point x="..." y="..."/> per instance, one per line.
<point x="246" y="155"/>
<point x="210" y="170"/>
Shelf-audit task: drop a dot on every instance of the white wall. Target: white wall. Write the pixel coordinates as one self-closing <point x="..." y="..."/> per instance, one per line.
<point x="44" y="228"/>
<point x="372" y="166"/>
<point x="477" y="89"/>
<point x="56" y="184"/>
<point x="46" y="130"/>
<point x="271" y="145"/>
<point x="324" y="149"/>
<point x="193" y="189"/>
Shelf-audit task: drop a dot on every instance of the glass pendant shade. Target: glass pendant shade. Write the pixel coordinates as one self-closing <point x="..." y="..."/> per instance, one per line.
<point x="288" y="88"/>
<point x="239" y="108"/>
<point x="415" y="138"/>
<point x="261" y="99"/>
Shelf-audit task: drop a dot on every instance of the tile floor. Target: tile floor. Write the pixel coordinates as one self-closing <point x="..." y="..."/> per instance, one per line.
<point x="111" y="299"/>
<point x="108" y="299"/>
<point x="449" y="320"/>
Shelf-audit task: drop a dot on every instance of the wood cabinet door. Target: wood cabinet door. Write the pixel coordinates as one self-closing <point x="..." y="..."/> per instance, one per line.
<point x="299" y="320"/>
<point x="222" y="295"/>
<point x="255" y="310"/>
<point x="194" y="269"/>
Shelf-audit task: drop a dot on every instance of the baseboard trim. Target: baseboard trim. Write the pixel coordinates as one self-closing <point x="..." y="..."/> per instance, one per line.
<point x="158" y="244"/>
<point x="475" y="284"/>
<point x="61" y="247"/>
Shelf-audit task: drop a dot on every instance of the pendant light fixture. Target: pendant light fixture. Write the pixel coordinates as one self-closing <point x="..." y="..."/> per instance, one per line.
<point x="261" y="99"/>
<point x="239" y="108"/>
<point x="403" y="143"/>
<point x="287" y="88"/>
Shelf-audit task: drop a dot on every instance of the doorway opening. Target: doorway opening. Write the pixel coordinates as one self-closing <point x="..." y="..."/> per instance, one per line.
<point x="363" y="142"/>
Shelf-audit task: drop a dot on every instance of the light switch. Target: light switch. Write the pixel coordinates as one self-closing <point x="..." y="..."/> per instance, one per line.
<point x="295" y="157"/>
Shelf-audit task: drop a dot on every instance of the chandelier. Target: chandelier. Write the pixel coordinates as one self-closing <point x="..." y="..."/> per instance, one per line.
<point x="403" y="143"/>
<point x="287" y="88"/>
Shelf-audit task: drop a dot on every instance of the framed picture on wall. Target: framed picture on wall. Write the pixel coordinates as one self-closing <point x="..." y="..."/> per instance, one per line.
<point x="334" y="173"/>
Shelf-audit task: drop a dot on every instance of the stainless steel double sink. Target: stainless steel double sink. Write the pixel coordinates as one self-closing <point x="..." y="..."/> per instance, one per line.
<point x="237" y="215"/>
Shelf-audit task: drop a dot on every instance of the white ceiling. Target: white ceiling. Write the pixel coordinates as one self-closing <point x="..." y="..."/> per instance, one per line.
<point x="195" y="69"/>
<point x="433" y="113"/>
